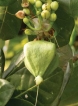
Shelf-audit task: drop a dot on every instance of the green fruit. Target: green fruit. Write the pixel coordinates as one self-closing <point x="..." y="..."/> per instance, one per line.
<point x="26" y="11"/>
<point x="45" y="14"/>
<point x="26" y="20"/>
<point x="46" y="6"/>
<point x="38" y="55"/>
<point x="31" y="1"/>
<point x="2" y="42"/>
<point x="28" y="32"/>
<point x="53" y="17"/>
<point x="38" y="4"/>
<point x="54" y="5"/>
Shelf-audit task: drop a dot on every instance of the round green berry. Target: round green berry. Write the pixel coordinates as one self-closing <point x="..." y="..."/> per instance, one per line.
<point x="26" y="11"/>
<point x="26" y="20"/>
<point x="44" y="7"/>
<point x="28" y="32"/>
<point x="38" y="4"/>
<point x="53" y="17"/>
<point x="45" y="14"/>
<point x="54" y="5"/>
<point x="31" y="1"/>
<point x="48" y="7"/>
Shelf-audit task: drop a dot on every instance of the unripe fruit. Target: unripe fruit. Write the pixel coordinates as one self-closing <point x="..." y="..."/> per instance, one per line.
<point x="46" y="6"/>
<point x="26" y="11"/>
<point x="38" y="57"/>
<point x="53" y="17"/>
<point x="28" y="32"/>
<point x="25" y="4"/>
<point x="31" y="1"/>
<point x="54" y="5"/>
<point x="26" y="20"/>
<point x="38" y="4"/>
<point x="45" y="14"/>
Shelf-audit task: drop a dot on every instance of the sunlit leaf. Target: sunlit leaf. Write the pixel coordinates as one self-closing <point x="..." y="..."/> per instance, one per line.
<point x="16" y="64"/>
<point x="63" y="27"/>
<point x="6" y="91"/>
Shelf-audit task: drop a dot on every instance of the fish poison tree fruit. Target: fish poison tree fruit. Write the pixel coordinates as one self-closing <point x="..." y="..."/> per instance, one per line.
<point x="38" y="55"/>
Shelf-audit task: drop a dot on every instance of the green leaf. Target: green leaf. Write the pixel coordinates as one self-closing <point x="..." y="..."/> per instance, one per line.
<point x="16" y="64"/>
<point x="48" y="89"/>
<point x="65" y="54"/>
<point x="6" y="91"/>
<point x="19" y="102"/>
<point x="63" y="27"/>
<point x="70" y="6"/>
<point x="9" y="24"/>
<point x="70" y="95"/>
<point x="2" y="62"/>
<point x="6" y="2"/>
<point x="21" y="79"/>
<point x="52" y="66"/>
<point x="65" y="81"/>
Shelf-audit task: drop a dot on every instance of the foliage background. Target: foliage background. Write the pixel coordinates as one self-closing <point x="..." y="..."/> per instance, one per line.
<point x="17" y="85"/>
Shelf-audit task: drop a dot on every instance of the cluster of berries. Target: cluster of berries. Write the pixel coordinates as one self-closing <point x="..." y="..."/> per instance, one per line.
<point x="44" y="11"/>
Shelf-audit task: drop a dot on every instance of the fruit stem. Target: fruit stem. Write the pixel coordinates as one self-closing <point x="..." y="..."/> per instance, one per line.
<point x="37" y="95"/>
<point x="38" y="80"/>
<point x="73" y="36"/>
<point x="72" y="39"/>
<point x="32" y="27"/>
<point x="49" y="27"/>
<point x="35" y="29"/>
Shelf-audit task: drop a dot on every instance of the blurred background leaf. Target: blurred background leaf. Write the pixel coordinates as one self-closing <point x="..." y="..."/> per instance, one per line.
<point x="70" y="95"/>
<point x="6" y="91"/>
<point x="63" y="27"/>
<point x="70" y="6"/>
<point x="9" y="24"/>
<point x="6" y="2"/>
